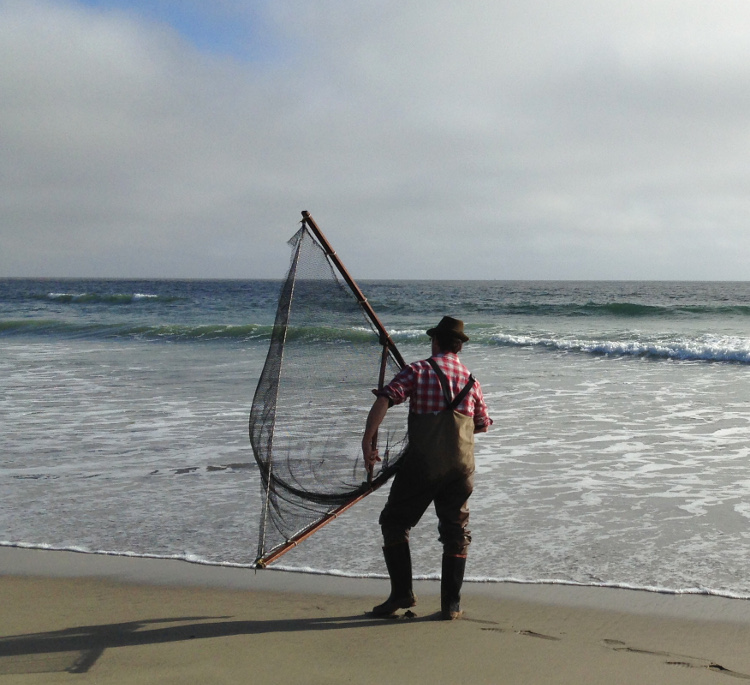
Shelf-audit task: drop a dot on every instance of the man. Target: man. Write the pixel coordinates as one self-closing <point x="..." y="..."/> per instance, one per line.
<point x="446" y="409"/>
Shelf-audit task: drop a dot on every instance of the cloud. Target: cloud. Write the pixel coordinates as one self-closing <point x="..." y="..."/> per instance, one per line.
<point x="517" y="140"/>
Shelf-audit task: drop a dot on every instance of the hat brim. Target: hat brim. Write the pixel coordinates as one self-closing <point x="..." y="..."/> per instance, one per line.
<point x="459" y="336"/>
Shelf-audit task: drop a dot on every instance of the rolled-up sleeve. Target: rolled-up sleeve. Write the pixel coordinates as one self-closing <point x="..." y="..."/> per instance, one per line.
<point x="401" y="387"/>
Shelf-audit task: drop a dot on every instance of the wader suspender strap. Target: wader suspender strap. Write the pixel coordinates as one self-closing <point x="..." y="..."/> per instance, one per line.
<point x="452" y="404"/>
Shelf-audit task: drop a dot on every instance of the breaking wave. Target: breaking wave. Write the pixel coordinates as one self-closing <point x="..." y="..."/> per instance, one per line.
<point x="104" y="298"/>
<point x="705" y="348"/>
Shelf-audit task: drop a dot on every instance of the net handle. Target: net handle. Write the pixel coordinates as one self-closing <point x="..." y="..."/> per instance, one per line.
<point x="381" y="383"/>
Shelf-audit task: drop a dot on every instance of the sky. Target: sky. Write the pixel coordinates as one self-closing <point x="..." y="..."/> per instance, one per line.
<point x="523" y="139"/>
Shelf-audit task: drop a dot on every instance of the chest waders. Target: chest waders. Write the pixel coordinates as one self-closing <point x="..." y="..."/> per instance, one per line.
<point x="441" y="445"/>
<point x="441" y="450"/>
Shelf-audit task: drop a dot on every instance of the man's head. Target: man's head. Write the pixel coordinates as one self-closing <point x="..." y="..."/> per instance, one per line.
<point x="449" y="334"/>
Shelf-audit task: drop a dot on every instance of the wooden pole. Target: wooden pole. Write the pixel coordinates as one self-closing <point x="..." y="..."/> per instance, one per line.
<point x="305" y="533"/>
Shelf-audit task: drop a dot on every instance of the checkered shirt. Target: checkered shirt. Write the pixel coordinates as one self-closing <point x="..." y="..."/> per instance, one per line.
<point x="419" y="384"/>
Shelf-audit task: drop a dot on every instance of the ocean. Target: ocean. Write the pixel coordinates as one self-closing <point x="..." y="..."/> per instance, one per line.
<point x="620" y="453"/>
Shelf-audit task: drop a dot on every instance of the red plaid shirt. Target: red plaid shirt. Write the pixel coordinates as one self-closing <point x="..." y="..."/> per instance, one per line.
<point x="419" y="384"/>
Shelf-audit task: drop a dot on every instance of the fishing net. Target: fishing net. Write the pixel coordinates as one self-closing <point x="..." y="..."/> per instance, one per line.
<point x="313" y="396"/>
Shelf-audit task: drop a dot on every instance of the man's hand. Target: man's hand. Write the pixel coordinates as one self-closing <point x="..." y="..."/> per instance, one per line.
<point x="370" y="454"/>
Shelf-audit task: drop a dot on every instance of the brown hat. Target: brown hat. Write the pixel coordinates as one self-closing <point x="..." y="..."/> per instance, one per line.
<point x="450" y="327"/>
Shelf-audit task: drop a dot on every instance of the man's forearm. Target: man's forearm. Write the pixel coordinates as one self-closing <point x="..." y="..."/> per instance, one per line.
<point x="375" y="417"/>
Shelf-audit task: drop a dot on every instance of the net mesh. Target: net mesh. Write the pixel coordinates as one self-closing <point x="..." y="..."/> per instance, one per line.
<point x="312" y="399"/>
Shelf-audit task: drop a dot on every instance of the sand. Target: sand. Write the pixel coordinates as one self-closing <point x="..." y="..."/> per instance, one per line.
<point x="70" y="618"/>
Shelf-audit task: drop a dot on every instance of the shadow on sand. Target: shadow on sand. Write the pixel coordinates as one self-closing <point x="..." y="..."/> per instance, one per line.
<point x="76" y="650"/>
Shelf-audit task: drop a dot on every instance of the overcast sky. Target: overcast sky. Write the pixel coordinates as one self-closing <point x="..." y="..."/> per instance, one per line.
<point x="524" y="139"/>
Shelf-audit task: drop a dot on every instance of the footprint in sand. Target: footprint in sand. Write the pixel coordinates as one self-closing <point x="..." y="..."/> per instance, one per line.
<point x="527" y="633"/>
<point x="676" y="659"/>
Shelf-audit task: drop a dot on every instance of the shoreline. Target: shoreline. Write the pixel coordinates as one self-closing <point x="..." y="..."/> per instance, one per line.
<point x="154" y="571"/>
<point x="114" y="619"/>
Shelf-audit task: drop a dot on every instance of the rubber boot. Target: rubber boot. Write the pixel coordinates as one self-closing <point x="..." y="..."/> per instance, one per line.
<point x="451" y="580"/>
<point x="398" y="563"/>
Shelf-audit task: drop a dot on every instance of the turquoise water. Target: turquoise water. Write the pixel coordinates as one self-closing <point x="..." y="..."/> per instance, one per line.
<point x="619" y="454"/>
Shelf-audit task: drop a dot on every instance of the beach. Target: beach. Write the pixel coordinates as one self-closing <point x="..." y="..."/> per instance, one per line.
<point x="114" y="619"/>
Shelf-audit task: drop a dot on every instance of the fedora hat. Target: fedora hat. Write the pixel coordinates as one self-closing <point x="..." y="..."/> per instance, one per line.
<point x="449" y="327"/>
